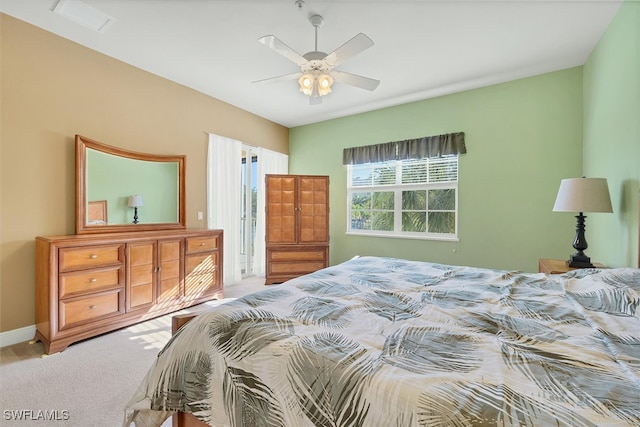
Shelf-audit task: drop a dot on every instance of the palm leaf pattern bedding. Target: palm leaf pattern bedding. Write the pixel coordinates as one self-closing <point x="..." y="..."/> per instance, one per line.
<point x="390" y="342"/>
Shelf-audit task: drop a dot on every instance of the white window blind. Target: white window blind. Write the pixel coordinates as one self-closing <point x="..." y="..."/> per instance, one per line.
<point x="414" y="198"/>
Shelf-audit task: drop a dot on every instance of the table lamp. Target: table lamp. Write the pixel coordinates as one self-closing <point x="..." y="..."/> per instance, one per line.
<point x="582" y="195"/>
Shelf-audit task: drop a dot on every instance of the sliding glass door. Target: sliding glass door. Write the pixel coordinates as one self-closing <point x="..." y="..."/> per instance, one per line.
<point x="249" y="191"/>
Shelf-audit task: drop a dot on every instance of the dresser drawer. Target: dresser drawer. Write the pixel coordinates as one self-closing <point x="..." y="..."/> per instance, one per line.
<point x="297" y="255"/>
<point x="201" y="244"/>
<point x="89" y="281"/>
<point x="201" y="264"/>
<point x="197" y="285"/>
<point x="77" y="311"/>
<point x="90" y="257"/>
<point x="202" y="275"/>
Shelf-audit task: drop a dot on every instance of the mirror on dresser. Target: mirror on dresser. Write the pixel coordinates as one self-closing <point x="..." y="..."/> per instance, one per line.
<point x="118" y="190"/>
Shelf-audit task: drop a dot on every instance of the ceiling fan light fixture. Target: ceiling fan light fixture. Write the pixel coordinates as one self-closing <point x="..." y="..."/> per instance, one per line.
<point x="306" y="84"/>
<point x="324" y="84"/>
<point x="317" y="73"/>
<point x="315" y="85"/>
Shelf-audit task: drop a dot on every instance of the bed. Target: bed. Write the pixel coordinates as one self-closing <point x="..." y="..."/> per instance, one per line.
<point x="391" y="342"/>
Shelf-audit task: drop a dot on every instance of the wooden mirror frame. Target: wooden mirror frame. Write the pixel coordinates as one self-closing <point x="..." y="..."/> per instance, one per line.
<point x="82" y="144"/>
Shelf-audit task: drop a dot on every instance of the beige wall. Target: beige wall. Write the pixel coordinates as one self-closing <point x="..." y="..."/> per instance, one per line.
<point x="52" y="89"/>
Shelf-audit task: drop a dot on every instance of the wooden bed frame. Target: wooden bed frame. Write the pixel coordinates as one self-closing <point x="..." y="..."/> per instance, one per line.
<point x="182" y="419"/>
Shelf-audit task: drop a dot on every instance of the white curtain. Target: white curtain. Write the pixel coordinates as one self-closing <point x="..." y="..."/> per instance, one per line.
<point x="224" y="163"/>
<point x="269" y="162"/>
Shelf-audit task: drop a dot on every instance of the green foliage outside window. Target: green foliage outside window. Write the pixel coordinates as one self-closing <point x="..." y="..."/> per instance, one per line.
<point x="422" y="193"/>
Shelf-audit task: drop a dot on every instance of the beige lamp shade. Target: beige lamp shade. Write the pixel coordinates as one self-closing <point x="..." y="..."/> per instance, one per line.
<point x="135" y="201"/>
<point x="583" y="195"/>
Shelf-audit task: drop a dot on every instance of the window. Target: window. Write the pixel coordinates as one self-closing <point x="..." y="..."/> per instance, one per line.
<point x="415" y="198"/>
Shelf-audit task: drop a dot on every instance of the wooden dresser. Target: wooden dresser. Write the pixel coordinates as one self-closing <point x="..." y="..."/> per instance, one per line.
<point x="297" y="226"/>
<point x="89" y="284"/>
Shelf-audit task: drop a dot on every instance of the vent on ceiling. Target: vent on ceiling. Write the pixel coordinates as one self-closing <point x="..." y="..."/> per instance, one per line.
<point x="83" y="14"/>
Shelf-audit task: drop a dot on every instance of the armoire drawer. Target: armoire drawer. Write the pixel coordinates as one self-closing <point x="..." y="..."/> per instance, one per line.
<point x="77" y="311"/>
<point x="90" y="281"/>
<point x="201" y="244"/>
<point x="297" y="268"/>
<point x="79" y="258"/>
<point x="297" y="255"/>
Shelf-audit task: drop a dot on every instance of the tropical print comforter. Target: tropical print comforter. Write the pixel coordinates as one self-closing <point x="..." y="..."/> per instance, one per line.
<point x="390" y="342"/>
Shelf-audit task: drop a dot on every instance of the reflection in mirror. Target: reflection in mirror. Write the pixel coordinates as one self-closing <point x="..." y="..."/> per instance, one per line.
<point x="115" y="179"/>
<point x="97" y="212"/>
<point x="108" y="178"/>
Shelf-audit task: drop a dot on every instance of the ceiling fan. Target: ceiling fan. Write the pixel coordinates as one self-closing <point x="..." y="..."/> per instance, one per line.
<point x="317" y="72"/>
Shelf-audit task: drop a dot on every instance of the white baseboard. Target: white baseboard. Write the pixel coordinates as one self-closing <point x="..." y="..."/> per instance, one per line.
<point x="17" y="335"/>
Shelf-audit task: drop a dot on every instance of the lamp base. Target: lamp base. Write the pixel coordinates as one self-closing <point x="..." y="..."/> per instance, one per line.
<point x="580" y="260"/>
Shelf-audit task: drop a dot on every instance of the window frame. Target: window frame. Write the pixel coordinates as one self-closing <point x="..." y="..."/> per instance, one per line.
<point x="397" y="188"/>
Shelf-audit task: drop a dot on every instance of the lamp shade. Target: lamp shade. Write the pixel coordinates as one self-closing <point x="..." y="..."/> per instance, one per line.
<point x="583" y="195"/>
<point x="135" y="201"/>
<point x="324" y="84"/>
<point x="306" y="82"/>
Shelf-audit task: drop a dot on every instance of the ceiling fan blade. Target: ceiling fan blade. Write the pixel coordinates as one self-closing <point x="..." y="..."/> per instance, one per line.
<point x="278" y="45"/>
<point x="355" y="80"/>
<point x="351" y="48"/>
<point x="278" y="79"/>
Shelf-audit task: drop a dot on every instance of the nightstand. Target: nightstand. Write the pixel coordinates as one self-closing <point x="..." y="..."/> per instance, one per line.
<point x="558" y="266"/>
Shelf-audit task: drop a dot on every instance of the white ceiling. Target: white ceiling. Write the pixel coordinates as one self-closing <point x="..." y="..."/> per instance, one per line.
<point x="422" y="48"/>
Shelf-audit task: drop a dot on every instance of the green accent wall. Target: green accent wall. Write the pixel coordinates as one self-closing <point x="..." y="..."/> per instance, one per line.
<point x="522" y="138"/>
<point x="612" y="136"/>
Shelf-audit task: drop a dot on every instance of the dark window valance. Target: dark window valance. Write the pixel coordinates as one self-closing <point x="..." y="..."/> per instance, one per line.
<point x="418" y="148"/>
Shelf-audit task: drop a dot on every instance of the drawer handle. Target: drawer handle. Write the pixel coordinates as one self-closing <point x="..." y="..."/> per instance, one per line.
<point x="93" y="280"/>
<point x="93" y="256"/>
<point x="93" y="307"/>
<point x="203" y="244"/>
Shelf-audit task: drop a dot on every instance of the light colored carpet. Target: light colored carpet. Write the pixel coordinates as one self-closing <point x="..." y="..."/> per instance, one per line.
<point x="89" y="383"/>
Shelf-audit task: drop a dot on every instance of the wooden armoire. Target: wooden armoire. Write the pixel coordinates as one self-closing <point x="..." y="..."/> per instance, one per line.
<point x="297" y="226"/>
